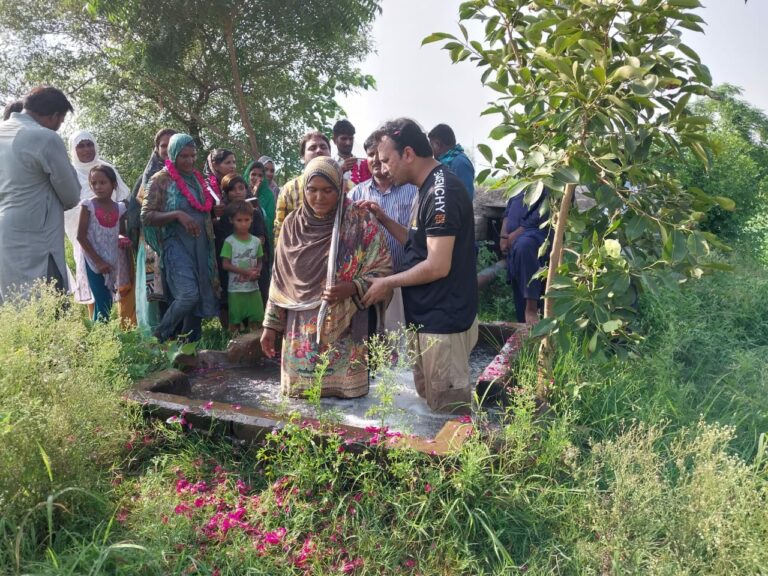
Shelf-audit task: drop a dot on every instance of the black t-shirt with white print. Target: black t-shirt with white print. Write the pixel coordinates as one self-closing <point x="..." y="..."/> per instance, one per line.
<point x="443" y="208"/>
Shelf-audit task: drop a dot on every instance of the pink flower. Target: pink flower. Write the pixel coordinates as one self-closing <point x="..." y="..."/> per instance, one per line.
<point x="122" y="516"/>
<point x="236" y="406"/>
<point x="428" y="488"/>
<point x="351" y="565"/>
<point x="182" y="509"/>
<point x="306" y="551"/>
<point x="208" y="405"/>
<point x="275" y="537"/>
<point x="465" y="419"/>
<point x="199" y="502"/>
<point x="242" y="487"/>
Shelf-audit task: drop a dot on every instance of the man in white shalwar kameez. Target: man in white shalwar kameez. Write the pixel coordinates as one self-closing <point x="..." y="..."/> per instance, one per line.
<point x="37" y="183"/>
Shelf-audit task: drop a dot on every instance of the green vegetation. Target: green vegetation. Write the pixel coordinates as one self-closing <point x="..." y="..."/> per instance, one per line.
<point x="738" y="169"/>
<point x="62" y="421"/>
<point x="651" y="465"/>
<point x="590" y="96"/>
<point x="706" y="356"/>
<point x="236" y="75"/>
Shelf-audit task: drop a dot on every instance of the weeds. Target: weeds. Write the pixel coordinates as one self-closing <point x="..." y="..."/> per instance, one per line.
<point x="655" y="465"/>
<point x="706" y="355"/>
<point x="60" y="398"/>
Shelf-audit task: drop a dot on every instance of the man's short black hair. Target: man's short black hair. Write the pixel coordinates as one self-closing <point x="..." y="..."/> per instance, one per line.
<point x="343" y="127"/>
<point x="47" y="101"/>
<point x="370" y="142"/>
<point x="444" y="133"/>
<point x="404" y="132"/>
<point x="311" y="136"/>
<point x="11" y="107"/>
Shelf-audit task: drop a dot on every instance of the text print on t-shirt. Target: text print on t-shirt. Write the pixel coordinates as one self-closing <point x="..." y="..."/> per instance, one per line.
<point x="439" y="194"/>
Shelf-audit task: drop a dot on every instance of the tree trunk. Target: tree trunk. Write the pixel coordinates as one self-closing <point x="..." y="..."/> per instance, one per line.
<point x="237" y="85"/>
<point x="546" y="350"/>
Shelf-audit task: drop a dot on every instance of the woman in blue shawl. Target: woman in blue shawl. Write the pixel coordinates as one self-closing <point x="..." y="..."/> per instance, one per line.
<point x="177" y="221"/>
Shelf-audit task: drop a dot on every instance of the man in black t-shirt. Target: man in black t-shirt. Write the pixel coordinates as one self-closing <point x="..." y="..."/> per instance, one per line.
<point x="439" y="282"/>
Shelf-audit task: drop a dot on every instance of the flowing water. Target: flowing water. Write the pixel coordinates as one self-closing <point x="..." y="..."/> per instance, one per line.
<point x="259" y="387"/>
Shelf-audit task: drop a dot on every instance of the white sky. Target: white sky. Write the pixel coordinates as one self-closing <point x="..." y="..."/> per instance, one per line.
<point x="422" y="83"/>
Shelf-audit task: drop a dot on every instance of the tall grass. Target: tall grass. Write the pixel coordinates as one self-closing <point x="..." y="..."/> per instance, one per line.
<point x="705" y="356"/>
<point x="650" y="466"/>
<point x="62" y="421"/>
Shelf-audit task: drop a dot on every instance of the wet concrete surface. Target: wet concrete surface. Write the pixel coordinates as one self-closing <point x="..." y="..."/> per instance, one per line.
<point x="259" y="387"/>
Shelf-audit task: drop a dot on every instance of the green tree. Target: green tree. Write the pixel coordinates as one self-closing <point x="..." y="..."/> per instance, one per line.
<point x="249" y="75"/>
<point x="590" y="94"/>
<point x="738" y="169"/>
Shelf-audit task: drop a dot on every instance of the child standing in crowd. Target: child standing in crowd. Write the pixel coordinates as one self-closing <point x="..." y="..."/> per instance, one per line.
<point x="241" y="257"/>
<point x="233" y="189"/>
<point x="99" y="236"/>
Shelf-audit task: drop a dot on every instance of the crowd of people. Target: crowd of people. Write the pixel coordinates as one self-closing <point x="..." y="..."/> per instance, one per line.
<point x="350" y="247"/>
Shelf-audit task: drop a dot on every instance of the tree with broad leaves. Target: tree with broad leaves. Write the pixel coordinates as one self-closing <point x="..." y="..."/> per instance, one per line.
<point x="591" y="94"/>
<point x="247" y="75"/>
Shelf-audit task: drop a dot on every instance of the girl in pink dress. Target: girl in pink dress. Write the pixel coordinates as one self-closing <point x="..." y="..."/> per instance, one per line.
<point x="99" y="236"/>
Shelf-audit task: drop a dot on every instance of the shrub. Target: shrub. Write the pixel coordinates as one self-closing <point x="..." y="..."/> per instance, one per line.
<point x="705" y="355"/>
<point x="691" y="508"/>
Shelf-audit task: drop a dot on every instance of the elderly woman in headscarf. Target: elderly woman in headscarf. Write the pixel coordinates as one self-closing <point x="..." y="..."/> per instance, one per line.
<point x="85" y="155"/>
<point x="176" y="214"/>
<point x="150" y="295"/>
<point x="258" y="182"/>
<point x="328" y="252"/>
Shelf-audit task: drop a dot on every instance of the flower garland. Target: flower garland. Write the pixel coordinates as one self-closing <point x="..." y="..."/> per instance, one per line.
<point x="182" y="186"/>
<point x="214" y="182"/>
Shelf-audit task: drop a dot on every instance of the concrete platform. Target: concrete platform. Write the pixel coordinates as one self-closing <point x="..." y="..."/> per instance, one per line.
<point x="244" y="400"/>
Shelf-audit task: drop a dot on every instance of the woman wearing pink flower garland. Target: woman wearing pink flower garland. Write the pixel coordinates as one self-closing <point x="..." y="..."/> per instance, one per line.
<point x="220" y="162"/>
<point x="177" y="212"/>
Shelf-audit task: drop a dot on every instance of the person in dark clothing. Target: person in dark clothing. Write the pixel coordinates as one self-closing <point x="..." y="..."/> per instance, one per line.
<point x="523" y="233"/>
<point x="439" y="278"/>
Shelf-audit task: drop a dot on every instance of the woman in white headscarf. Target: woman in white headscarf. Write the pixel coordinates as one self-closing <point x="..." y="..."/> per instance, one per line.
<point x="85" y="155"/>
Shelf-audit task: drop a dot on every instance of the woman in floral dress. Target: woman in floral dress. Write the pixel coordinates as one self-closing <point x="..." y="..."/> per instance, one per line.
<point x="304" y="287"/>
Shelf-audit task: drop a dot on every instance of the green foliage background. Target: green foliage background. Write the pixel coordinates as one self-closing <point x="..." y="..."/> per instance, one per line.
<point x="135" y="66"/>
